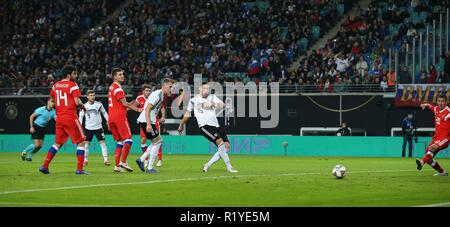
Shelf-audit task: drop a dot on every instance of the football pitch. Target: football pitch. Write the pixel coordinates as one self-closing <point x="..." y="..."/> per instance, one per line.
<point x="262" y="181"/>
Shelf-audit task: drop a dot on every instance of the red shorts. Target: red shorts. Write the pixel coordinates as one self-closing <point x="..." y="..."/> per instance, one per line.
<point x="120" y="130"/>
<point x="442" y="143"/>
<point x="142" y="133"/>
<point x="66" y="128"/>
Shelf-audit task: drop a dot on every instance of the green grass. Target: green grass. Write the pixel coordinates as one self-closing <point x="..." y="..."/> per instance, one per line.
<point x="261" y="181"/>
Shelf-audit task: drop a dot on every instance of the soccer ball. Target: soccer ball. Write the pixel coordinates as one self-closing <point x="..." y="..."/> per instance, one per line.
<point x="339" y="171"/>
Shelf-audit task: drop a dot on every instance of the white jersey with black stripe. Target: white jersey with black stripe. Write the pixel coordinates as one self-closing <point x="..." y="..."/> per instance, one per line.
<point x="156" y="98"/>
<point x="93" y="115"/>
<point x="204" y="116"/>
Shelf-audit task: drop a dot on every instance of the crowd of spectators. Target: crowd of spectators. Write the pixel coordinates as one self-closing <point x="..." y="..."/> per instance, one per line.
<point x="358" y="54"/>
<point x="35" y="34"/>
<point x="153" y="39"/>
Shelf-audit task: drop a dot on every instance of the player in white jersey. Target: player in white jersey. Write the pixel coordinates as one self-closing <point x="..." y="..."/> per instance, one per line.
<point x="205" y="106"/>
<point x="93" y="125"/>
<point x="147" y="122"/>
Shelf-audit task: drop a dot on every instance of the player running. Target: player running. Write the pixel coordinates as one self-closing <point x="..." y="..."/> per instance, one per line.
<point x="118" y="122"/>
<point x="147" y="121"/>
<point x="140" y="103"/>
<point x="441" y="136"/>
<point x="93" y="126"/>
<point x="205" y="106"/>
<point x="66" y="95"/>
<point x="38" y="121"/>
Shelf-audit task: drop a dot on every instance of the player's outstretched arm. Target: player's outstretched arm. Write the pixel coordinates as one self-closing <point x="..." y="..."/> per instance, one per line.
<point x="217" y="103"/>
<point x="129" y="105"/>
<point x="186" y="117"/>
<point x="425" y="105"/>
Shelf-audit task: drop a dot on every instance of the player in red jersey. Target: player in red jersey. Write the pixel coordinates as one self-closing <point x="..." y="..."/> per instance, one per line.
<point x="441" y="136"/>
<point x="118" y="122"/>
<point x="140" y="103"/>
<point x="66" y="95"/>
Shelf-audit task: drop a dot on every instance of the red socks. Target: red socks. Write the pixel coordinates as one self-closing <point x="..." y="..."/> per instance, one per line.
<point x="80" y="159"/>
<point x="437" y="167"/>
<point x="48" y="159"/>
<point x="50" y="154"/>
<point x="119" y="147"/>
<point x="428" y="157"/>
<point x="126" y="149"/>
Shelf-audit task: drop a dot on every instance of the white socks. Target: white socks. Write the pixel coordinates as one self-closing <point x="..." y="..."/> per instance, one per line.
<point x="223" y="154"/>
<point x="153" y="153"/>
<point x="86" y="151"/>
<point x="104" y="151"/>
<point x="213" y="159"/>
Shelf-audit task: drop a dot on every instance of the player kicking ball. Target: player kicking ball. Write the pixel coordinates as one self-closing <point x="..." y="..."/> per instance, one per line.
<point x="441" y="136"/>
<point x="140" y="103"/>
<point x="118" y="122"/>
<point x="93" y="126"/>
<point x="205" y="106"/>
<point x="147" y="121"/>
<point x="38" y="121"/>
<point x="66" y="95"/>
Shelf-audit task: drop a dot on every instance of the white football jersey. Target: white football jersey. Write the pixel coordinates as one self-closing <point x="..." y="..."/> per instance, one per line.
<point x="92" y="114"/>
<point x="204" y="116"/>
<point x="156" y="98"/>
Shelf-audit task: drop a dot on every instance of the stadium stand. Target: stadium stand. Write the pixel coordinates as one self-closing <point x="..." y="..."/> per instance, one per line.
<point x="223" y="40"/>
<point x="358" y="54"/>
<point x="36" y="36"/>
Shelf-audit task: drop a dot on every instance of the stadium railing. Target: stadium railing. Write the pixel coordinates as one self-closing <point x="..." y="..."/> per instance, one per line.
<point x="397" y="130"/>
<point x="284" y="89"/>
<point x="327" y="131"/>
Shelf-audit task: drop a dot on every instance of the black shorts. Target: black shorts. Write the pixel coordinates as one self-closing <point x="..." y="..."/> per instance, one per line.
<point x="98" y="133"/>
<point x="214" y="133"/>
<point x="39" y="133"/>
<point x="150" y="136"/>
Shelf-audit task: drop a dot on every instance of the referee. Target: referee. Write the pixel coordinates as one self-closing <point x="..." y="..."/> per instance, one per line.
<point x="38" y="121"/>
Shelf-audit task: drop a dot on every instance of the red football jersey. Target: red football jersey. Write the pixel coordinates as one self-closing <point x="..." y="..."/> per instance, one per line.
<point x="441" y="122"/>
<point x="141" y="100"/>
<point x="64" y="93"/>
<point x="116" y="111"/>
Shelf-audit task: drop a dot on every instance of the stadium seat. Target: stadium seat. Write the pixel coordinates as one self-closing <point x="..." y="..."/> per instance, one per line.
<point x="283" y="32"/>
<point x="316" y="32"/>
<point x="273" y="24"/>
<point x="263" y="5"/>
<point x="229" y="75"/>
<point x="439" y="67"/>
<point x="423" y="16"/>
<point x="341" y="9"/>
<point x="304" y="43"/>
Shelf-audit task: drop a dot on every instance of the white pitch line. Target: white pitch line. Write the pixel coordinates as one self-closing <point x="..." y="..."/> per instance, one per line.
<point x="435" y="205"/>
<point x="186" y="179"/>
